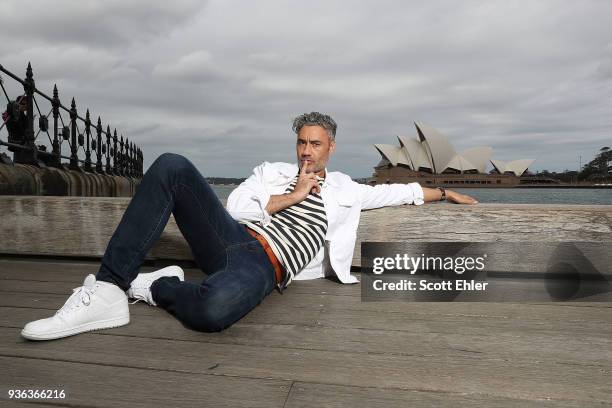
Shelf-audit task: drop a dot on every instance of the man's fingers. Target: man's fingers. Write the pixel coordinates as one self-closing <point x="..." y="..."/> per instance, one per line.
<point x="469" y="200"/>
<point x="308" y="182"/>
<point x="464" y="199"/>
<point x="315" y="187"/>
<point x="309" y="177"/>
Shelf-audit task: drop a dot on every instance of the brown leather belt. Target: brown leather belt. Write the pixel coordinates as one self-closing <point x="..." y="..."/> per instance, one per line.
<point x="278" y="269"/>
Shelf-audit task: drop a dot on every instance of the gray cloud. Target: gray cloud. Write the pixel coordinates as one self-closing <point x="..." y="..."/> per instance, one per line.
<point x="99" y="24"/>
<point x="221" y="81"/>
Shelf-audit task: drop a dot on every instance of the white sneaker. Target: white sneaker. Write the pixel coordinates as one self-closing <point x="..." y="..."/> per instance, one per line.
<point x="140" y="288"/>
<point x="95" y="305"/>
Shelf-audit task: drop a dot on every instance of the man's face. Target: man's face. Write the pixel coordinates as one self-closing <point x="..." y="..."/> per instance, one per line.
<point x="314" y="148"/>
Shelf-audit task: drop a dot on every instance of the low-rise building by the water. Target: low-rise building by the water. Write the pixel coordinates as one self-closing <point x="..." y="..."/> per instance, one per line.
<point x="431" y="159"/>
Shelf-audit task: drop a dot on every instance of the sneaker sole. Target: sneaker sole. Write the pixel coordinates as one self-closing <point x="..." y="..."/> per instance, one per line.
<point x="168" y="271"/>
<point x="97" y="325"/>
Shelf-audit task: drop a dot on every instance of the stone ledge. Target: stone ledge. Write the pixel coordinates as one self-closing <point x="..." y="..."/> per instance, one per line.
<point x="82" y="226"/>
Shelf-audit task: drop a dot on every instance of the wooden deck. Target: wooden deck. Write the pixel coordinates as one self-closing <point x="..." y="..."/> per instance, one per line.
<point x="316" y="345"/>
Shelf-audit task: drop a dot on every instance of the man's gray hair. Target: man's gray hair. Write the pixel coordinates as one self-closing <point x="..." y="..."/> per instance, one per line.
<point x="316" y="119"/>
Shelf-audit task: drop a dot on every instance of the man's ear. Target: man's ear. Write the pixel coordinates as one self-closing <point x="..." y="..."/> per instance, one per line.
<point x="332" y="146"/>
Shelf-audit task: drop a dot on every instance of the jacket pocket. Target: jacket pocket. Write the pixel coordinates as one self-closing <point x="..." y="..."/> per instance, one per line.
<point x="346" y="199"/>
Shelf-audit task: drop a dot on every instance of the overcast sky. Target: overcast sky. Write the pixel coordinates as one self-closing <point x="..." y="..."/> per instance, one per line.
<point x="221" y="81"/>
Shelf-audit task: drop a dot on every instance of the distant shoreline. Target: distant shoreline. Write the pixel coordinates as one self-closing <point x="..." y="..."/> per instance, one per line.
<point x="532" y="186"/>
<point x="593" y="186"/>
<point x="545" y="186"/>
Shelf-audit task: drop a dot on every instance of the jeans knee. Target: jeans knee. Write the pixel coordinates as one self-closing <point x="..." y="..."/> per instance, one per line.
<point x="211" y="317"/>
<point x="171" y="164"/>
<point x="170" y="160"/>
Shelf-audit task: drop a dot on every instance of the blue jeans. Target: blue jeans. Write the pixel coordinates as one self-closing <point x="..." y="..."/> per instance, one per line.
<point x="240" y="274"/>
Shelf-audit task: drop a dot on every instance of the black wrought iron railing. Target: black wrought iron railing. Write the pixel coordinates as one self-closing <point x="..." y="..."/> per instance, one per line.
<point x="77" y="135"/>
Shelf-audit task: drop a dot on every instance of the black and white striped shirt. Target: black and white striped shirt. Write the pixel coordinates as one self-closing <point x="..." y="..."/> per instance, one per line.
<point x="296" y="233"/>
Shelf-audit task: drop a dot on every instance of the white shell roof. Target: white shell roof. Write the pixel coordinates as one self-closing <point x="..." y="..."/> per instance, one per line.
<point x="460" y="163"/>
<point x="389" y="152"/>
<point x="416" y="152"/>
<point x="432" y="150"/>
<point x="478" y="156"/>
<point x="440" y="149"/>
<point x="518" y="167"/>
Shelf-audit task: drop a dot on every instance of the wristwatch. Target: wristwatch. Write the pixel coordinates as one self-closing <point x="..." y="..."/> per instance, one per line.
<point x="443" y="191"/>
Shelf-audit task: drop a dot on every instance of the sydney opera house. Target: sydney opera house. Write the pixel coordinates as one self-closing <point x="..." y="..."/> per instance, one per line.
<point x="429" y="158"/>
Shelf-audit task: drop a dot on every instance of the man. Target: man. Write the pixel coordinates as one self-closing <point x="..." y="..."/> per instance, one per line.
<point x="284" y="222"/>
<point x="16" y="120"/>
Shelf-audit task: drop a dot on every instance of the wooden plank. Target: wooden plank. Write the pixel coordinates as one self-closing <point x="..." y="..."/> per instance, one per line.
<point x="21" y="274"/>
<point x="440" y="337"/>
<point x="35" y="276"/>
<point x="47" y="270"/>
<point x="78" y="226"/>
<point x="46" y="307"/>
<point x="486" y="223"/>
<point x="117" y="385"/>
<point x="526" y="258"/>
<point x="304" y="395"/>
<point x="17" y="404"/>
<point x="465" y="374"/>
<point x="345" y="309"/>
<point x="82" y="226"/>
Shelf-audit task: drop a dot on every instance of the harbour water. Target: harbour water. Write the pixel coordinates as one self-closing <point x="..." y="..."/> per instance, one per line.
<point x="511" y="195"/>
<point x="541" y="195"/>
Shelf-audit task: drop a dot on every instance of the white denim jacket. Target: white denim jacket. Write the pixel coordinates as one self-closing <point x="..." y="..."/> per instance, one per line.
<point x="343" y="199"/>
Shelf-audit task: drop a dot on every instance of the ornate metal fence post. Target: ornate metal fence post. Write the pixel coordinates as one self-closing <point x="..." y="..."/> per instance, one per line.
<point x="57" y="150"/>
<point x="140" y="163"/>
<point x="126" y="168"/>
<point x="134" y="161"/>
<point x="74" y="159"/>
<point x="127" y="157"/>
<point x="121" y="158"/>
<point x="131" y="162"/>
<point x="109" y="170"/>
<point x="29" y="156"/>
<point x="115" y="168"/>
<point x="87" y="137"/>
<point x="99" y="147"/>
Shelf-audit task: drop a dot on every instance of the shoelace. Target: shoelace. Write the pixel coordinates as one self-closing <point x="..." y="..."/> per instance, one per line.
<point x="80" y="295"/>
<point x="138" y="299"/>
<point x="138" y="296"/>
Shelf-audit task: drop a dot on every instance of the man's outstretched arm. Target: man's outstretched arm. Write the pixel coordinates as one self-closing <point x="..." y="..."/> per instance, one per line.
<point x="280" y="202"/>
<point x="435" y="194"/>
<point x="383" y="195"/>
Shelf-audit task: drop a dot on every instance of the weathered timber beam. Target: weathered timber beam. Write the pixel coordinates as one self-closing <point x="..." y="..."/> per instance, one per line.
<point x="82" y="226"/>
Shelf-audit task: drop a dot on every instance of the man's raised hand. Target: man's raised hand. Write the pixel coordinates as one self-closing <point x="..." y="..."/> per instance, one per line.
<point x="306" y="183"/>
